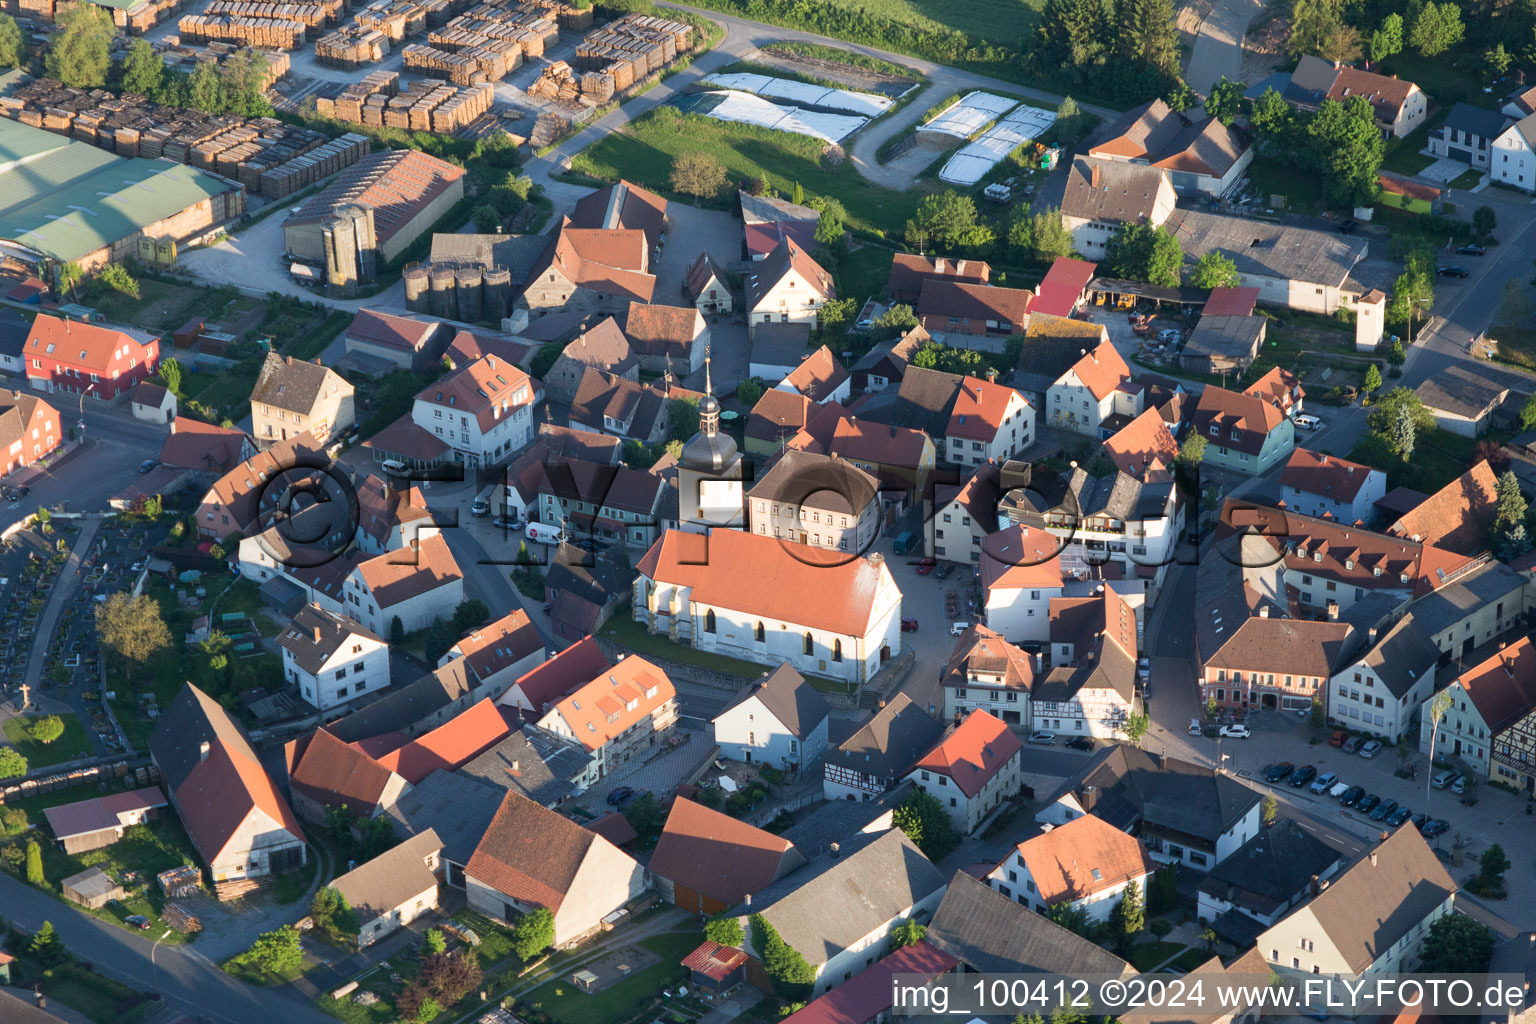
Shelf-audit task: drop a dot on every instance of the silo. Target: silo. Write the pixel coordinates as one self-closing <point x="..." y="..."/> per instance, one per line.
<point x="340" y="257"/>
<point x="361" y="219"/>
<point x="416" y="287"/>
<point x="497" y="294"/>
<point x="441" y="300"/>
<point x="467" y="281"/>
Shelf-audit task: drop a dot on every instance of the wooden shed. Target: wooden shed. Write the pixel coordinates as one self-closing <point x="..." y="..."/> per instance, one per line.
<point x="92" y="888"/>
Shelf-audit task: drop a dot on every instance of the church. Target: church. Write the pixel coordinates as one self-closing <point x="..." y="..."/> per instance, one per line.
<point x="710" y="475"/>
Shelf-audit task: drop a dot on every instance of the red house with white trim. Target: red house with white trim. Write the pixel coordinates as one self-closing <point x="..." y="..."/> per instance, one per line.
<point x="66" y="355"/>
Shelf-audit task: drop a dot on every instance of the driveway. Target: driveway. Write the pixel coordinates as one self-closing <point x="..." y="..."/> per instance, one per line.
<point x="1218" y="48"/>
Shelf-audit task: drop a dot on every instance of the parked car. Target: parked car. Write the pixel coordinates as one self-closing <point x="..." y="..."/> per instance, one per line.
<point x="957" y="628"/>
<point x="148" y="464"/>
<point x="1043" y="738"/>
<point x="1369" y="747"/>
<point x="1324" y="782"/>
<point x="1381" y="810"/>
<point x="1471" y="250"/>
<point x="1419" y="820"/>
<point x="1308" y="422"/>
<point x="1348" y="227"/>
<point x="1144" y="667"/>
<point x="1235" y="732"/>
<point x="508" y="522"/>
<point x="139" y="921"/>
<point x="943" y="571"/>
<point x="1195" y="729"/>
<point x="925" y="566"/>
<point x="1352" y="796"/>
<point x="1452" y="271"/>
<point x="1171" y="334"/>
<point x="1398" y="816"/>
<point x="479" y="507"/>
<point x="909" y="625"/>
<point x="1435" y="827"/>
<point x="1367" y="802"/>
<point x="1351" y="745"/>
<point x="1338" y="738"/>
<point x="619" y="797"/>
<point x="1279" y="772"/>
<point x="1302" y="776"/>
<point x="1081" y="742"/>
<point x="1460" y="785"/>
<point x="1443" y="778"/>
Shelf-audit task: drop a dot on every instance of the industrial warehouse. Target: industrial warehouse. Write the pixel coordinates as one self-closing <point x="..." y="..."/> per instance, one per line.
<point x="63" y="200"/>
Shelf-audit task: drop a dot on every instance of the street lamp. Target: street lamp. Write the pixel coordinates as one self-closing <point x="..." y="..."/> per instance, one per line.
<point x="81" y="424"/>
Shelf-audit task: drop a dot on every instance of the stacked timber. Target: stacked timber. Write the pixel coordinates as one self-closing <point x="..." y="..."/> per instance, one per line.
<point x="397" y="19"/>
<point x="313" y="13"/>
<point x="263" y="33"/>
<point x="548" y="129"/>
<point x="352" y="46"/>
<point x="185" y="59"/>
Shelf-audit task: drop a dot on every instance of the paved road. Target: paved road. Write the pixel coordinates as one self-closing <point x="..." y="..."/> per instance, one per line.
<point x="1218" y="48"/>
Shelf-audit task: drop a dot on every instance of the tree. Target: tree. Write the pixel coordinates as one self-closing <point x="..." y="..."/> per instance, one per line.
<point x="896" y="320"/>
<point x="170" y="373"/>
<point x="12" y="820"/>
<point x="116" y="277"/>
<point x="1069" y="124"/>
<point x="46" y="944"/>
<point x="13" y="50"/>
<point x="1226" y="100"/>
<point x="396" y="631"/>
<point x="697" y="174"/>
<point x="470" y="613"/>
<point x="683" y="417"/>
<point x="143" y="69"/>
<point x="1395" y="355"/>
<point x="132" y="627"/>
<point x="1163" y="890"/>
<point x="1313" y="22"/>
<point x="1437" y="28"/>
<point x="1388" y="39"/>
<point x="11" y="763"/>
<point x="1507" y="533"/>
<point x="1492" y="865"/>
<point x="1457" y="944"/>
<point x="1342" y="45"/>
<point x="1269" y="810"/>
<point x="1135" y="726"/>
<point x="1273" y="119"/>
<point x="1072" y="36"/>
<point x="724" y="929"/>
<point x="1343" y="140"/>
<point x="428" y="1010"/>
<point x="1142" y="252"/>
<point x="1192" y="451"/>
<point x="1131" y="913"/>
<point x="1214" y="270"/>
<point x="80" y="52"/>
<point x="331" y="912"/>
<point x="1147" y="41"/>
<point x="34" y="863"/>
<point x="1435" y="710"/>
<point x="243" y="76"/>
<point x="830" y="234"/>
<point x="487" y="219"/>
<point x="535" y="932"/>
<point x="433" y="942"/>
<point x="1372" y="381"/>
<point x="1497" y="61"/>
<point x="1072" y="916"/>
<point x="749" y="391"/>
<point x="792" y="977"/>
<point x="1528" y="414"/>
<point x="1379" y="420"/>
<point x="646" y="816"/>
<point x="1049" y="237"/>
<point x="927" y="823"/>
<point x="45" y="729"/>
<point x="1484" y="221"/>
<point x="544" y="359"/>
<point x="205" y="89"/>
<point x="797" y="194"/>
<point x="1209" y="938"/>
<point x="908" y="933"/>
<point x="275" y="953"/>
<point x="945" y="218"/>
<point x="70" y="276"/>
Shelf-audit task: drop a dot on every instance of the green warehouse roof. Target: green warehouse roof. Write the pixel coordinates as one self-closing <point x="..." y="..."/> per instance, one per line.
<point x="65" y="198"/>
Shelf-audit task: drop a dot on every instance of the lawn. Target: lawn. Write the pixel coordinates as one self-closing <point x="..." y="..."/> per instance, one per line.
<point x="1005" y="22"/>
<point x="643" y="153"/>
<point x="622" y="629"/>
<point x="1190" y="959"/>
<point x="1403" y="156"/>
<point x="73" y="744"/>
<point x="102" y="999"/>
<point x="1303" y="192"/>
<point x="1147" y="955"/>
<point x="864" y="273"/>
<point x="1439" y="457"/>
<point x="563" y="1001"/>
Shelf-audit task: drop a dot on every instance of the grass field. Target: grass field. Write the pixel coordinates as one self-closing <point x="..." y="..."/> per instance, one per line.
<point x="563" y="1001"/>
<point x="643" y="153"/>
<point x="1008" y="22"/>
<point x="73" y="744"/>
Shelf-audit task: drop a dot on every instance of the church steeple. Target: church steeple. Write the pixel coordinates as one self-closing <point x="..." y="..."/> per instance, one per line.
<point x="709" y="450"/>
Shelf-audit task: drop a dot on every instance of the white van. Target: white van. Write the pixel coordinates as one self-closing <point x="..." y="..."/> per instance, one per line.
<point x="1307" y="422"/>
<point x="394" y="467"/>
<point x="956" y="628"/>
<point x="542" y="533"/>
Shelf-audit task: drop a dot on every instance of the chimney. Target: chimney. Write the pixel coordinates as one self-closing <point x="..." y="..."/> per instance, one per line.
<point x="491" y="361"/>
<point x="1264" y="611"/>
<point x="1312" y="886"/>
<point x="747" y="900"/>
<point x="39" y="998"/>
<point x="202" y="751"/>
<point x="1094" y="177"/>
<point x="317" y="634"/>
<point x="836" y="849"/>
<point x="1370" y="637"/>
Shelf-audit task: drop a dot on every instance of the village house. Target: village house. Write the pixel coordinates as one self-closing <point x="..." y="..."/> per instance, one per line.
<point x="326" y="654"/>
<point x="972" y="770"/>
<point x="973" y="316"/>
<point x="79" y="358"/>
<point x="1087" y="863"/>
<point x="30" y="429"/>
<point x="454" y="805"/>
<point x="877" y="756"/>
<point x="1399" y="105"/>
<point x="451" y="745"/>
<point x="152" y="403"/>
<point x="591" y="270"/>
<point x="483" y="411"/>
<point x="1467" y="135"/>
<point x="537" y="690"/>
<point x="1514" y="155"/>
<point x="987" y="673"/>
<point x="326" y="773"/>
<point x="899" y="457"/>
<point x="390" y="516"/>
<point x="393" y="889"/>
<point x="1090" y="688"/>
<point x="99" y="821"/>
<point x="234" y="813"/>
<point x="1200" y="155"/>
<point x="531" y="858"/>
<point x="402" y="341"/>
<point x="910" y="271"/>
<point x="707" y="286"/>
<point x="777" y="417"/>
<point x="818" y="500"/>
<point x="1269" y="662"/>
<point x="204" y="447"/>
<point x="499" y="652"/>
<point x="1331" y="936"/>
<point x="1096" y="396"/>
<point x="611" y="504"/>
<point x="619" y="407"/>
<point x="1102" y="197"/>
<point x="777" y="350"/>
<point x="886" y="363"/>
<point x="583" y="591"/>
<point x="969" y="419"/>
<point x="964" y="516"/>
<point x="294" y="397"/>
<point x="623" y="715"/>
<point x="1275" y="871"/>
<point x="667" y="339"/>
<point x="1381" y="691"/>
<point x="1326" y="486"/>
<point x="787" y="286"/>
<point x="868" y="997"/>
<point x="601" y="346"/>
<point x="1457" y="516"/>
<point x="624" y="205"/>
<point x="1243" y="432"/>
<point x="1020" y="573"/>
<point x="819" y="376"/>
<point x="819" y="611"/>
<point x="707" y="862"/>
<point x="769" y="220"/>
<point x="1490" y="722"/>
<point x="1294" y="267"/>
<point x="780" y="721"/>
<point x="234" y="503"/>
<point x="545" y="768"/>
<point x="418" y="585"/>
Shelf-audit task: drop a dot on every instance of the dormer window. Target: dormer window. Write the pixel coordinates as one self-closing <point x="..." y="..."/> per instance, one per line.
<point x="1376" y="571"/>
<point x="1317" y="556"/>
<point x="1349" y="563"/>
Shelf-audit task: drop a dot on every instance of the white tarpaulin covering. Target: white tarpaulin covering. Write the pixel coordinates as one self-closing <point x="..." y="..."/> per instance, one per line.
<point x="971" y="163"/>
<point x="749" y="109"/>
<point x="969" y="114"/>
<point x="865" y="103"/>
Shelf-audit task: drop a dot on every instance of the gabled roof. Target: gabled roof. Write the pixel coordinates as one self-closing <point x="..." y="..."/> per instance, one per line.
<point x="1101" y="370"/>
<point x="1252" y="418"/>
<point x="489" y="388"/>
<point x="1457" y="516"/>
<point x="978" y="494"/>
<point x="818" y="376"/>
<point x="378" y="887"/>
<point x="975" y="302"/>
<point x="870" y="994"/>
<point x="293" y="384"/>
<point x="788" y="257"/>
<point x="778" y="415"/>
<point x="99" y="813"/>
<point x="1269" y="870"/>
<point x="1117" y="193"/>
<point x="563" y="674"/>
<point x="1231" y="302"/>
<point x="1141" y="133"/>
<point x="601" y="394"/>
<point x="388" y="330"/>
<point x="82" y="344"/>
<point x="492" y="647"/>
<point x="618" y="699"/>
<point x="991" y="934"/>
<point x="456" y="741"/>
<point x="972" y="752"/>
<point x="532" y="854"/>
<point x="193" y="444"/>
<point x="336" y="774"/>
<point x="1143" y="447"/>
<point x="398" y="185"/>
<point x="1020" y="556"/>
<point x="1280" y="387"/>
<point x="1124" y="785"/>
<point x="714" y="961"/>
<point x="147" y="393"/>
<point x="383" y="507"/>
<point x="623" y="205"/>
<point x="1399" y="883"/>
<point x="1503" y="687"/>
<point x="1307" y="646"/>
<point x="1326" y="475"/>
<point x="241" y="488"/>
<point x="980" y="409"/>
<point x="456" y="806"/>
<point x="887" y="745"/>
<point x="806" y="586"/>
<point x="215" y="792"/>
<point x="718" y="856"/>
<point x="403" y="706"/>
<point x="703" y="270"/>
<point x="982" y="652"/>
<point x="533" y="762"/>
<point x="1063" y="285"/>
<point x="314" y="635"/>
<point x="909" y="271"/>
<point x="1085" y="856"/>
<point x="1386" y="94"/>
<point x="610" y="262"/>
<point x="408" y="572"/>
<point x="663" y="330"/>
<point x="797" y="705"/>
<point x="817" y="481"/>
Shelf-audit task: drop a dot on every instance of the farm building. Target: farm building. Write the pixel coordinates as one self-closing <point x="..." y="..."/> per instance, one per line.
<point x="92" y="889"/>
<point x="97" y="822"/>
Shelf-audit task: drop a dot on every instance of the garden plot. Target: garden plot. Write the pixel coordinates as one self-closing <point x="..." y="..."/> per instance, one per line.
<point x="969" y="114"/>
<point x="748" y="109"/>
<point x="804" y="93"/>
<point x="972" y="163"/>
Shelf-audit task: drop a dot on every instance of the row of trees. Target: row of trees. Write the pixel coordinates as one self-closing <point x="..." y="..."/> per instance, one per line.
<point x="1333" y="31"/>
<point x="233" y="86"/>
<point x="1126" y="50"/>
<point x="1340" y="143"/>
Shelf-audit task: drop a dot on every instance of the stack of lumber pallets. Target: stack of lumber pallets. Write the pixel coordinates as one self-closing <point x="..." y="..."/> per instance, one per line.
<point x="312" y="13"/>
<point x="263" y="33"/>
<point x="424" y="107"/>
<point x="352" y="46"/>
<point x="548" y="128"/>
<point x="627" y="51"/>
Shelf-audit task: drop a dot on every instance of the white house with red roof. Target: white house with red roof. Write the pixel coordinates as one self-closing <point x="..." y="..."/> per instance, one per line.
<point x="987" y="673"/>
<point x="621" y="717"/>
<point x="988" y="421"/>
<point x="102" y="362"/>
<point x="823" y="612"/>
<point x="819" y="377"/>
<point x="1020" y="573"/>
<point x="539" y="687"/>
<point x="1326" y="486"/>
<point x="483" y="410"/>
<point x="787" y="286"/>
<point x="1087" y="863"/>
<point x="1096" y="396"/>
<point x="500" y="652"/>
<point x="972" y="770"/>
<point x="1243" y="432"/>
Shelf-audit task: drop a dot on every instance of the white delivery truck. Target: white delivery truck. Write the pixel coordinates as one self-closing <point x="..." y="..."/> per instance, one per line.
<point x="542" y="533"/>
